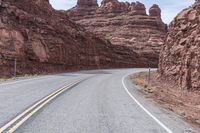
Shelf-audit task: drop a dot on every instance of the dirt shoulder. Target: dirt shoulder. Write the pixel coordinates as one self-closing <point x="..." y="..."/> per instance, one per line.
<point x="168" y="94"/>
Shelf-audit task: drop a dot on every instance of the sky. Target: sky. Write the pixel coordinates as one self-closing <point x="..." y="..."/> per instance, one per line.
<point x="170" y="8"/>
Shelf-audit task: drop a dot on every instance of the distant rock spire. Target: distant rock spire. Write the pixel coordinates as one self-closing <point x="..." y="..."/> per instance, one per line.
<point x="155" y="11"/>
<point x="138" y="8"/>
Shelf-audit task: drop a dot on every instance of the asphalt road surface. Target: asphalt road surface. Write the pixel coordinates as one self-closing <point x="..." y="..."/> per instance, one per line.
<point x="106" y="102"/>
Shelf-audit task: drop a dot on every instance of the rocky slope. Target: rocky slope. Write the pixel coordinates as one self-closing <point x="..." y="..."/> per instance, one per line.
<point x="44" y="40"/>
<point x="125" y="25"/>
<point x="180" y="56"/>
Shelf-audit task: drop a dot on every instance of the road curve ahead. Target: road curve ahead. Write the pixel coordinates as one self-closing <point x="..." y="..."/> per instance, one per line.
<point x="107" y="102"/>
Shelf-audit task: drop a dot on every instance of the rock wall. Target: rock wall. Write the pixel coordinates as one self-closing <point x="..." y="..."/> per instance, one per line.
<point x="44" y="40"/>
<point x="180" y="55"/>
<point x="125" y="25"/>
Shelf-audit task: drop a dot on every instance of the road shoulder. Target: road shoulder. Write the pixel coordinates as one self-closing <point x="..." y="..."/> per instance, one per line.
<point x="167" y="94"/>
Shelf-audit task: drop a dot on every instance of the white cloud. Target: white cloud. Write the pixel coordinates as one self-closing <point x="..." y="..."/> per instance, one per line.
<point x="170" y="8"/>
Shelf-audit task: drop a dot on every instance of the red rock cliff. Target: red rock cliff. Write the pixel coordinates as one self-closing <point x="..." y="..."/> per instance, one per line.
<point x="44" y="40"/>
<point x="125" y="25"/>
<point x="180" y="55"/>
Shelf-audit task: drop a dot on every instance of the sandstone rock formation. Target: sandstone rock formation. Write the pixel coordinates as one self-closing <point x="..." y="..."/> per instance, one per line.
<point x="112" y="6"/>
<point x="85" y="7"/>
<point x="155" y="11"/>
<point x="180" y="56"/>
<point x="87" y="3"/>
<point x="126" y="25"/>
<point x="44" y="40"/>
<point x="138" y="8"/>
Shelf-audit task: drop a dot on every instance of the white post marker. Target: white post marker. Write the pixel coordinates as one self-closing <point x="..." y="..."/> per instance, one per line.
<point x="143" y="108"/>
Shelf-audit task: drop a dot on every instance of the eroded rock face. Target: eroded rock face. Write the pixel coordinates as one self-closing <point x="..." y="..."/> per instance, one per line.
<point x="87" y="3"/>
<point x="180" y="55"/>
<point x="111" y="6"/>
<point x="84" y="7"/>
<point x="126" y="25"/>
<point x="44" y="40"/>
<point x="155" y="11"/>
<point x="138" y="8"/>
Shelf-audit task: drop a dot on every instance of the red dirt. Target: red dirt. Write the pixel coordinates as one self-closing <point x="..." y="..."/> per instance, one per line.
<point x="168" y="94"/>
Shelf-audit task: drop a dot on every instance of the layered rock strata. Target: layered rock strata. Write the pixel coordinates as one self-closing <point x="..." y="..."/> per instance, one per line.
<point x="125" y="25"/>
<point x="43" y="40"/>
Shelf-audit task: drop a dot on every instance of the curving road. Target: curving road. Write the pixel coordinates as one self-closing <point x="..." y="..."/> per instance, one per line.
<point x="107" y="102"/>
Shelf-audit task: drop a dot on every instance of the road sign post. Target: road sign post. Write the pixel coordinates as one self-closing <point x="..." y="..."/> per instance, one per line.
<point x="15" y="67"/>
<point x="149" y="75"/>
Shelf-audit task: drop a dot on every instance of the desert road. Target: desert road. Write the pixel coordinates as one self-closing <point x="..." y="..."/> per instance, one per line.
<point x="96" y="101"/>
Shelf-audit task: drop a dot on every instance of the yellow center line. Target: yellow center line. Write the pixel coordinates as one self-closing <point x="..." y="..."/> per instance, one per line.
<point x="11" y="126"/>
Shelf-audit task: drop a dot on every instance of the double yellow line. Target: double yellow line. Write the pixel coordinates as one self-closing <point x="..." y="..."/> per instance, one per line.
<point x="15" y="123"/>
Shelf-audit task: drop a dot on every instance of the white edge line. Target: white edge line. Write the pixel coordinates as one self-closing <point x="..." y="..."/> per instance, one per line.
<point x="143" y="108"/>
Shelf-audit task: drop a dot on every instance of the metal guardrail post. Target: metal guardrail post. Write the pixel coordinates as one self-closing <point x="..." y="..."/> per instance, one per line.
<point x="149" y="75"/>
<point x="15" y="67"/>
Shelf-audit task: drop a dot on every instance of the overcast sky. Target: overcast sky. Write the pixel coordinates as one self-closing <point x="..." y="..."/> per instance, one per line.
<point x="170" y="8"/>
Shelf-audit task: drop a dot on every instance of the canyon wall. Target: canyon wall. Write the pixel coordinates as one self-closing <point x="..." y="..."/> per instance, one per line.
<point x="43" y="40"/>
<point x="180" y="55"/>
<point x="125" y="25"/>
